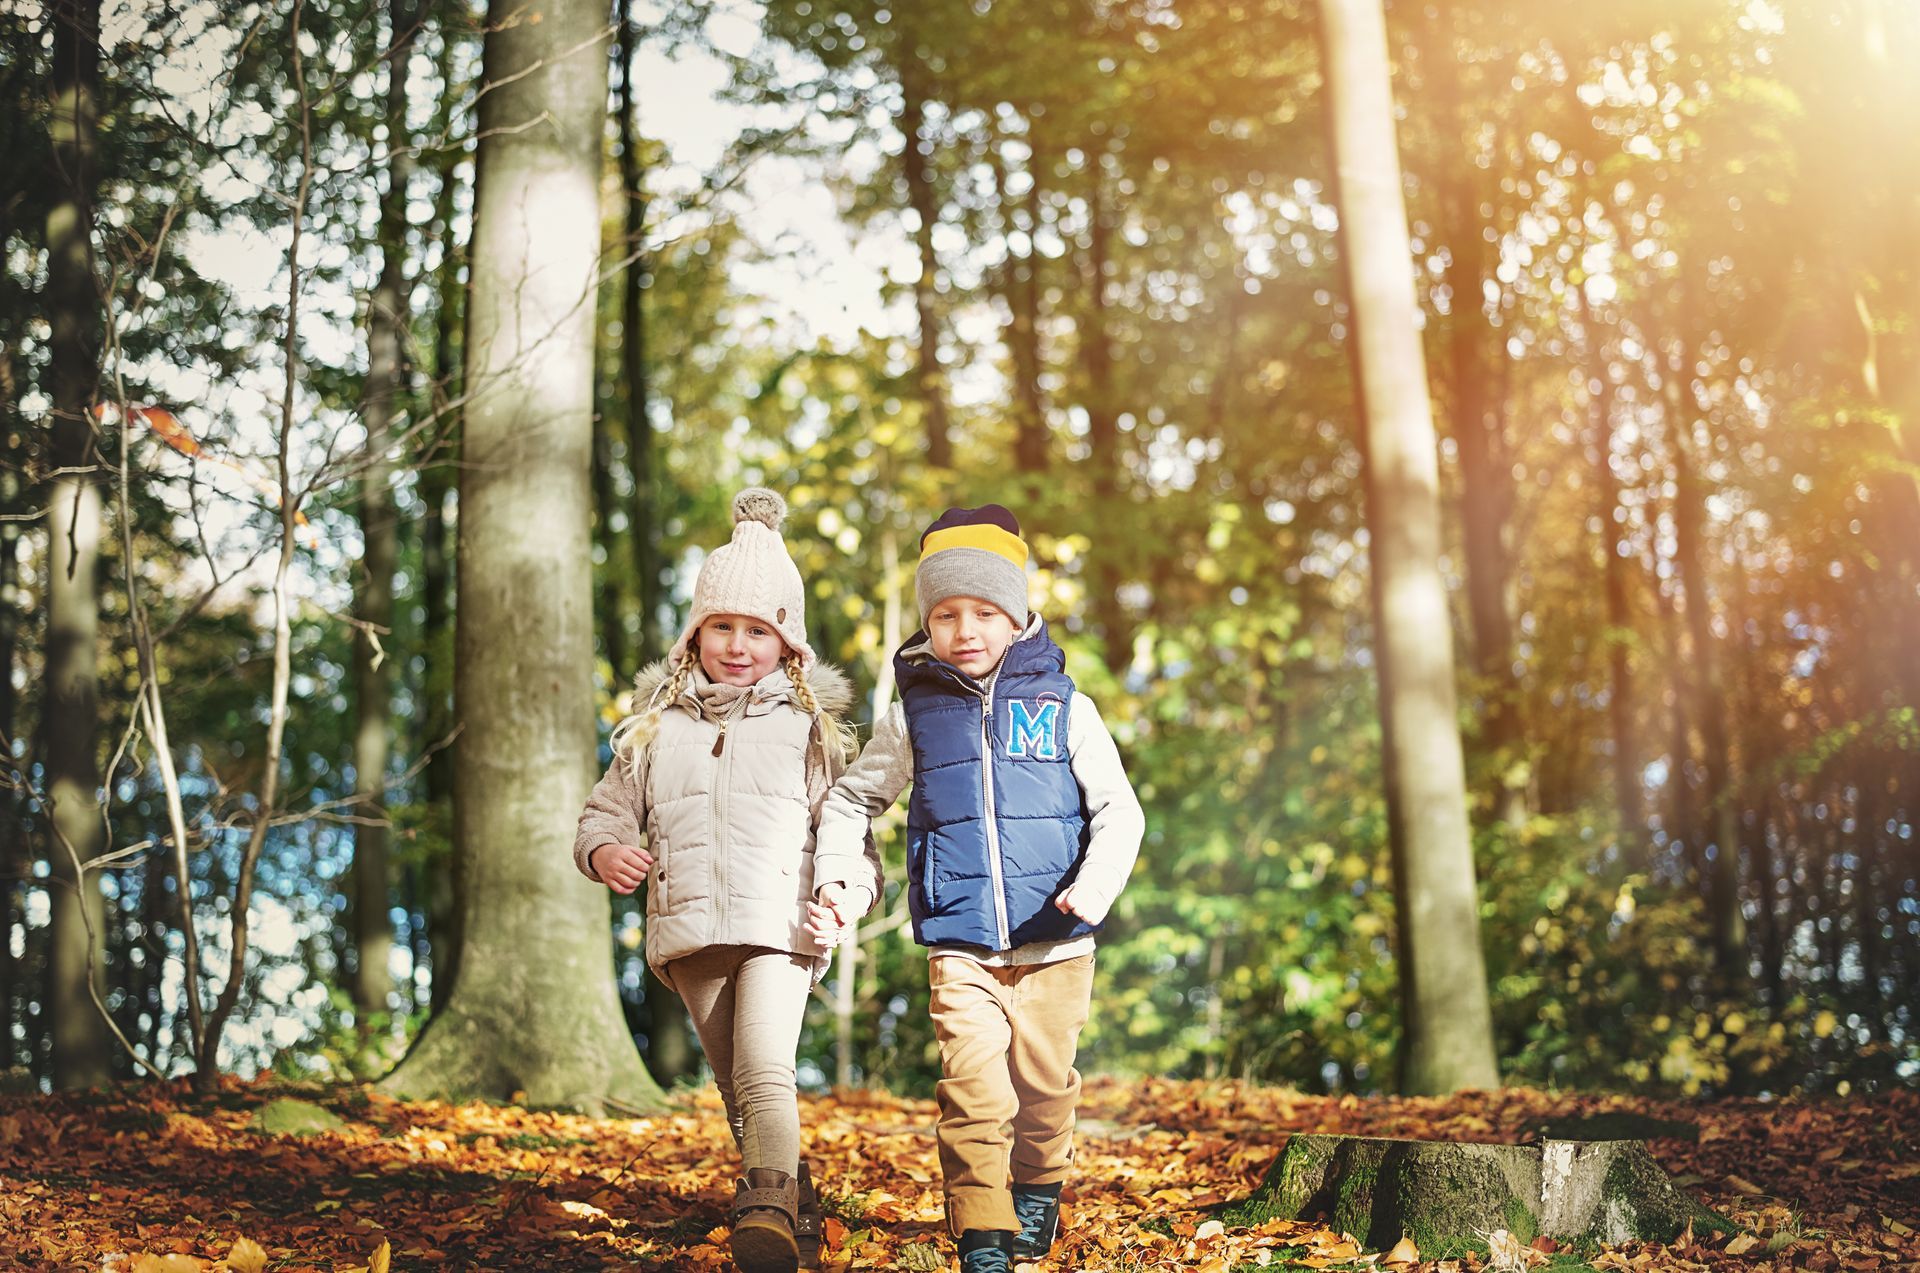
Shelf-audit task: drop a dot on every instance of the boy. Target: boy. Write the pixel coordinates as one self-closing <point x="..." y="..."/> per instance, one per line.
<point x="1021" y="831"/>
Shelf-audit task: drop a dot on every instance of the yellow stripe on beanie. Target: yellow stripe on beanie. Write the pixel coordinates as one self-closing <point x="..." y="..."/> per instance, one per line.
<point x="992" y="538"/>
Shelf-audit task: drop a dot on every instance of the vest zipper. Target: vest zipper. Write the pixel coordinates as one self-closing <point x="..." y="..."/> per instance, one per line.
<point x="993" y="827"/>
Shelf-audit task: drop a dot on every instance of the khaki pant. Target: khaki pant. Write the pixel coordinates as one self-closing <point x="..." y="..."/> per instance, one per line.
<point x="1007" y="1038"/>
<point x="746" y="1003"/>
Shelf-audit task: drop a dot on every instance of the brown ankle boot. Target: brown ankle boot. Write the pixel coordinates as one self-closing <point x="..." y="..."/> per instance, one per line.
<point x="765" y="1206"/>
<point x="807" y="1221"/>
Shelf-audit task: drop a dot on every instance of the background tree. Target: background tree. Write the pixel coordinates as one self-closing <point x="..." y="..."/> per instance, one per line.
<point x="548" y="1028"/>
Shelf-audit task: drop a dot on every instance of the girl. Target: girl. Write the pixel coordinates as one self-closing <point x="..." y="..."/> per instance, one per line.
<point x="735" y="740"/>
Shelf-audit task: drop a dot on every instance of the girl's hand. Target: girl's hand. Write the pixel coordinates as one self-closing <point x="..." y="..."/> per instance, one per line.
<point x="1084" y="906"/>
<point x="624" y="868"/>
<point x="824" y="926"/>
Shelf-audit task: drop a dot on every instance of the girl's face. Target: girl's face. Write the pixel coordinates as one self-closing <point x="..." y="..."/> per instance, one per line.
<point x="737" y="649"/>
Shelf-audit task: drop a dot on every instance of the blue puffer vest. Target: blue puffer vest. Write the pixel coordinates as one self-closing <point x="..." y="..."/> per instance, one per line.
<point x="996" y="826"/>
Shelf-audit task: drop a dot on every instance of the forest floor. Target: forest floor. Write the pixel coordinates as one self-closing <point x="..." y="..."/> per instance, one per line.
<point x="152" y="1179"/>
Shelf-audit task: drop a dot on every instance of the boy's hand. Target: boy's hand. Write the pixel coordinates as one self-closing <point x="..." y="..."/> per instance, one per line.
<point x="623" y="869"/>
<point x="1082" y="903"/>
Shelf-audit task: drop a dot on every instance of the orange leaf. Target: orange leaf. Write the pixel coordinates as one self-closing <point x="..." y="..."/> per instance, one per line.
<point x="834" y="1232"/>
<point x="167" y="426"/>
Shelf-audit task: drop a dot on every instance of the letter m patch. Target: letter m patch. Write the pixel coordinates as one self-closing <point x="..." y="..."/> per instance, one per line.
<point x="1035" y="729"/>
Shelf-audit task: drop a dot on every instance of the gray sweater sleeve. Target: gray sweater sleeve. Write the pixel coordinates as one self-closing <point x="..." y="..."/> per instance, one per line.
<point x="1115" y="822"/>
<point x="615" y="812"/>
<point x="844" y="852"/>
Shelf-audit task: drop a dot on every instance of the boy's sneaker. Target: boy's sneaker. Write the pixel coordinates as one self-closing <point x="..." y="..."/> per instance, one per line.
<point x="1038" y="1208"/>
<point x="986" y="1251"/>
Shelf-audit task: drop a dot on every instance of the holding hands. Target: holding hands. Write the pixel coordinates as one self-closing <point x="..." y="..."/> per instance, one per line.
<point x="832" y="915"/>
<point x="623" y="868"/>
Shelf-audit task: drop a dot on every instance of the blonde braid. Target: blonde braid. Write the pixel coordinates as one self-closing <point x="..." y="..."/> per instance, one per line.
<point x="631" y="736"/>
<point x="838" y="741"/>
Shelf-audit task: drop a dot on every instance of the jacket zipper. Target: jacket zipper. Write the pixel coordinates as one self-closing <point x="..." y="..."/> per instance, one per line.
<point x="993" y="829"/>
<point x="722" y="780"/>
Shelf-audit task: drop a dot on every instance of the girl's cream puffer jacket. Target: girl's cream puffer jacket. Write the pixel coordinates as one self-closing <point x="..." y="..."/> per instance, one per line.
<point x="725" y="793"/>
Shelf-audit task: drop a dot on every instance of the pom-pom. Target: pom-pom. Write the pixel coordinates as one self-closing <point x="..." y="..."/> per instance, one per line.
<point x="758" y="504"/>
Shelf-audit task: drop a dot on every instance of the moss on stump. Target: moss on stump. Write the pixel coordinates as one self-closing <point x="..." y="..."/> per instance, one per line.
<point x="288" y="1117"/>
<point x="1448" y="1195"/>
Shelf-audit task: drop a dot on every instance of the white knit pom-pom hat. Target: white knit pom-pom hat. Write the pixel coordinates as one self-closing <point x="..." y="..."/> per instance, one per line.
<point x="753" y="575"/>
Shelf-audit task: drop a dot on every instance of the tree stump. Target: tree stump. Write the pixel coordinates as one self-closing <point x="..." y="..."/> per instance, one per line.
<point x="1450" y="1195"/>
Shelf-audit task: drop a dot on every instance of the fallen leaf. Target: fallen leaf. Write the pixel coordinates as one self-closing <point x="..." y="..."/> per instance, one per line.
<point x="1404" y="1252"/>
<point x="246" y="1256"/>
<point x="1742" y="1243"/>
<point x="382" y="1256"/>
<point x="1741" y="1184"/>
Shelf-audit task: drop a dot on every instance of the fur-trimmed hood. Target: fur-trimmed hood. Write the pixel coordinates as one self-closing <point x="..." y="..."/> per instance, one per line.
<point x="832" y="688"/>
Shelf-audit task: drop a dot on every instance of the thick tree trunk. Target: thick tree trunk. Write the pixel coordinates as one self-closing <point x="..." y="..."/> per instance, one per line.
<point x="915" y="161"/>
<point x="534" y="1015"/>
<point x="381" y="398"/>
<point x="81" y="1055"/>
<point x="1449" y="1037"/>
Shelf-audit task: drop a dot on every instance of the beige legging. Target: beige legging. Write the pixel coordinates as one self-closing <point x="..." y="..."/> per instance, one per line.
<point x="747" y="1003"/>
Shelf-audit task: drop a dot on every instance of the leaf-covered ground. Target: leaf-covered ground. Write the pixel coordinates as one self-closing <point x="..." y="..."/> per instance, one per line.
<point x="150" y="1178"/>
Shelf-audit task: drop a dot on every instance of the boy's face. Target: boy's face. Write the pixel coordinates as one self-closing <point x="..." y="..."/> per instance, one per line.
<point x="969" y="633"/>
<point x="737" y="649"/>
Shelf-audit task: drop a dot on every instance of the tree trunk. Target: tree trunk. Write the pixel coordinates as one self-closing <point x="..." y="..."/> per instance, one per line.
<point x="14" y="857"/>
<point x="546" y="1029"/>
<point x="1449" y="1037"/>
<point x="670" y="1053"/>
<point x="1103" y="428"/>
<point x="1023" y="302"/>
<point x="387" y="312"/>
<point x="1682" y="825"/>
<point x="1475" y="348"/>
<point x="645" y="515"/>
<point x="1723" y="892"/>
<point x="1628" y="807"/>
<point x="81" y="1056"/>
<point x="440" y="445"/>
<point x="915" y="162"/>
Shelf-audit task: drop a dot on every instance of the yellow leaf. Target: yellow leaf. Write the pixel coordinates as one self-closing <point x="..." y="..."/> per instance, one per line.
<point x="246" y="1256"/>
<point x="168" y="1264"/>
<point x="1404" y="1252"/>
<point x="382" y="1256"/>
<point x="1210" y="1229"/>
<point x="1743" y="1243"/>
